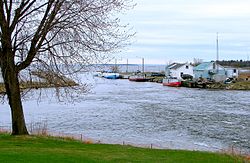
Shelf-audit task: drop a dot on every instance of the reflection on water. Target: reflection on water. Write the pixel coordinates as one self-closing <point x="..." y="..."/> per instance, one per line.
<point x="144" y="113"/>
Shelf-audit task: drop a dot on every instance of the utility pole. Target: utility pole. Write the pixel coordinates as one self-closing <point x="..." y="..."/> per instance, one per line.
<point x="217" y="52"/>
<point x="142" y="65"/>
<point x="127" y="66"/>
<point x="116" y="68"/>
<point x="217" y="47"/>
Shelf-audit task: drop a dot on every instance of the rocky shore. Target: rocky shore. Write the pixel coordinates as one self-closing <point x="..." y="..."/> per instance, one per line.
<point x="239" y="85"/>
<point x="236" y="85"/>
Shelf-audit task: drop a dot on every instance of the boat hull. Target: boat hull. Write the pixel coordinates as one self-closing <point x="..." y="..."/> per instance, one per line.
<point x="111" y="75"/>
<point x="138" y="79"/>
<point x="171" y="82"/>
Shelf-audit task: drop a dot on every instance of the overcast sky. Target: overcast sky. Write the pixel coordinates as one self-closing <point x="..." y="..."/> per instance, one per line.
<point x="180" y="30"/>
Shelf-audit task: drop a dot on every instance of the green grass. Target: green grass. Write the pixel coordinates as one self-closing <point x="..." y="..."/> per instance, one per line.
<point x="50" y="149"/>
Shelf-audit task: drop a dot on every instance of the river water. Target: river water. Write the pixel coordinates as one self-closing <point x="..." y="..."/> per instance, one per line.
<point x="117" y="111"/>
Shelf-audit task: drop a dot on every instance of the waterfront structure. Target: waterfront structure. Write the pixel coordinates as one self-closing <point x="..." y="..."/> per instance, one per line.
<point x="178" y="69"/>
<point x="210" y="71"/>
<point x="232" y="72"/>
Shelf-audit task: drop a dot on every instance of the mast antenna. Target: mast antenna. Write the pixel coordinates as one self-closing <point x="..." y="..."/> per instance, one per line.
<point x="217" y="47"/>
<point x="217" y="52"/>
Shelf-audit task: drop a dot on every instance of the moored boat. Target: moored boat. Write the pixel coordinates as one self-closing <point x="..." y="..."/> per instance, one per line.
<point x="111" y="75"/>
<point x="171" y="82"/>
<point x="138" y="78"/>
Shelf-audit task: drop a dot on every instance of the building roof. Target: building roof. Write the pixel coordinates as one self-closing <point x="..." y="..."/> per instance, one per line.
<point x="207" y="65"/>
<point x="203" y="66"/>
<point x="175" y="66"/>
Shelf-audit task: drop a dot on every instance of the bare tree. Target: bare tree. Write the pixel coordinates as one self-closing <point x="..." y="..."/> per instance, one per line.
<point x="197" y="61"/>
<point x="60" y="36"/>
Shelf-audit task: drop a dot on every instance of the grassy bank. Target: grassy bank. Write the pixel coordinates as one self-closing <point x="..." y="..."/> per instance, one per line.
<point x="51" y="149"/>
<point x="239" y="85"/>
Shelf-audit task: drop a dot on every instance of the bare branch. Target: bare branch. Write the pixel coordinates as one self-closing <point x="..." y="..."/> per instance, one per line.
<point x="39" y="35"/>
<point x="75" y="32"/>
<point x="3" y="20"/>
<point x="24" y="6"/>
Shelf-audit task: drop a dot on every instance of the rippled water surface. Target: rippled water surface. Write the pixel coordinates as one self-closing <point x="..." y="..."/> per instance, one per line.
<point x="117" y="111"/>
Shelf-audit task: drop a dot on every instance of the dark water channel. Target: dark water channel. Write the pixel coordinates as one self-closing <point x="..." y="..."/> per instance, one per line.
<point x="117" y="111"/>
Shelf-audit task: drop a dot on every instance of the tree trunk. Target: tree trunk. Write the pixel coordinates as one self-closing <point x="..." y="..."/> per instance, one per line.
<point x="12" y="87"/>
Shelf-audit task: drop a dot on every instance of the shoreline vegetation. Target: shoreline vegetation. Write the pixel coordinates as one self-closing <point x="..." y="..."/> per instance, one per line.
<point x="239" y="85"/>
<point x="45" y="148"/>
<point x="50" y="80"/>
<point x="46" y="80"/>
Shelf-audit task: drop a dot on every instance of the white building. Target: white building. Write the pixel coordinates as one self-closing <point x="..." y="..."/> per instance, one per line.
<point x="232" y="72"/>
<point x="178" y="69"/>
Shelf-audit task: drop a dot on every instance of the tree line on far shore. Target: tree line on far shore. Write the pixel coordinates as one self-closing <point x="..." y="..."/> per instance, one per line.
<point x="235" y="63"/>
